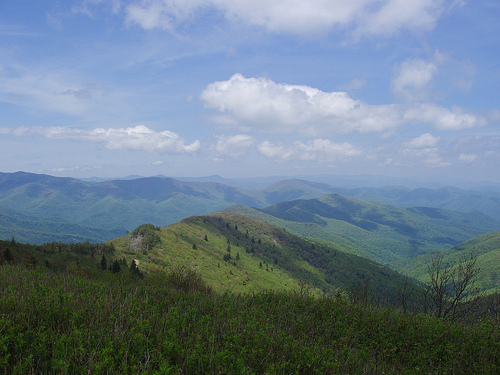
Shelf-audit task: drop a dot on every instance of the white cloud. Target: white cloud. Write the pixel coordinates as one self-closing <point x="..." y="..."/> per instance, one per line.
<point x="133" y="138"/>
<point x="467" y="158"/>
<point x="390" y="16"/>
<point x="316" y="150"/>
<point x="260" y="104"/>
<point x="413" y="80"/>
<point x="444" y="119"/>
<point x="363" y="17"/>
<point x="425" y="140"/>
<point x="233" y="145"/>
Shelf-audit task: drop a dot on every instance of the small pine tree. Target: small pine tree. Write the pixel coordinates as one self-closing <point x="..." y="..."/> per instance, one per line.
<point x="194" y="246"/>
<point x="116" y="267"/>
<point x="104" y="263"/>
<point x="134" y="269"/>
<point x="237" y="256"/>
<point x="7" y="255"/>
<point x="206" y="238"/>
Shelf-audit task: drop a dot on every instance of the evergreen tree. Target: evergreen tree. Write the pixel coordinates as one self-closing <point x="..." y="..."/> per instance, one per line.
<point x="134" y="269"/>
<point x="7" y="255"/>
<point x="116" y="267"/>
<point x="104" y="263"/>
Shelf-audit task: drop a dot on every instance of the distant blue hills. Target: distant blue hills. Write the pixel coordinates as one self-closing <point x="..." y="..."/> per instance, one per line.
<point x="36" y="208"/>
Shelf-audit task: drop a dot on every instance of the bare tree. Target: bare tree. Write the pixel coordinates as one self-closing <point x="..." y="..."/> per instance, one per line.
<point x="451" y="290"/>
<point x="404" y="295"/>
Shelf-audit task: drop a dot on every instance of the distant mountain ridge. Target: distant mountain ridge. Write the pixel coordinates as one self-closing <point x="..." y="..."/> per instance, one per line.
<point x="121" y="205"/>
<point x="383" y="232"/>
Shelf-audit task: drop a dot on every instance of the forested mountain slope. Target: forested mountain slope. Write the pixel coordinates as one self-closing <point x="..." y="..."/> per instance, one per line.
<point x="485" y="247"/>
<point x="385" y="233"/>
<point x="36" y="208"/>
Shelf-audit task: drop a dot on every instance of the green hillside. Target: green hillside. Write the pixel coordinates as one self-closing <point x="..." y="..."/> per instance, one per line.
<point x="487" y="249"/>
<point x="241" y="254"/>
<point x="232" y="253"/>
<point x="385" y="233"/>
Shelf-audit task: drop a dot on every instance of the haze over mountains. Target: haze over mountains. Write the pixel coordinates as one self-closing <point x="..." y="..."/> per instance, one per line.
<point x="40" y="208"/>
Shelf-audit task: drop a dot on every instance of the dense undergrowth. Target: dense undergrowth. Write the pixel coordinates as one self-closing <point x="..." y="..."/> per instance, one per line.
<point x="93" y="322"/>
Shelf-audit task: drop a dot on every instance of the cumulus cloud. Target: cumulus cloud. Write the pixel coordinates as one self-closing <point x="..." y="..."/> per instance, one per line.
<point x="315" y="150"/>
<point x="361" y="17"/>
<point x="260" y="104"/>
<point x="138" y="138"/>
<point x="413" y="79"/>
<point x="233" y="145"/>
<point x="445" y="119"/>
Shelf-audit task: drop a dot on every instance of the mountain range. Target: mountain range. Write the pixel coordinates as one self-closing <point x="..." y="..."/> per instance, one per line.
<point x="294" y="230"/>
<point x="37" y="208"/>
<point x="381" y="232"/>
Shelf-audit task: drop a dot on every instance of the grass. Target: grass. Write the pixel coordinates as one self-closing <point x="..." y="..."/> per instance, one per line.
<point x="82" y="321"/>
<point x="262" y="257"/>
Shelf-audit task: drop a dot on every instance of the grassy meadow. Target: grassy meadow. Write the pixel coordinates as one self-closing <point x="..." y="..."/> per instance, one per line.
<point x="83" y="321"/>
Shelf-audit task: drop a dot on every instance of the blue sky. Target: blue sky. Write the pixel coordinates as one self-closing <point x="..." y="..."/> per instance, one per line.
<point x="244" y="88"/>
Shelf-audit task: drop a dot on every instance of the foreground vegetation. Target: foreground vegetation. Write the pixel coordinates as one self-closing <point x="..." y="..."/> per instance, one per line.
<point x="92" y="321"/>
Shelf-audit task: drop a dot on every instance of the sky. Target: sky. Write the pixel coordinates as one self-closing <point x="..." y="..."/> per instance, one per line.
<point x="245" y="88"/>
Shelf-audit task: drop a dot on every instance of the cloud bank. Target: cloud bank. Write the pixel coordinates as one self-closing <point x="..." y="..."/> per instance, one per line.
<point x="260" y="104"/>
<point x="138" y="138"/>
<point x="306" y="17"/>
<point x="321" y="150"/>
